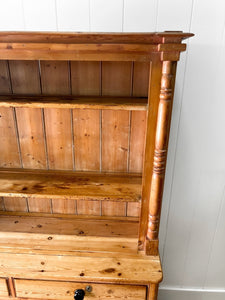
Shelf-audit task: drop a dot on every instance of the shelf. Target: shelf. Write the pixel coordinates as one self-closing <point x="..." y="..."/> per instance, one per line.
<point x="50" y="235"/>
<point x="70" y="185"/>
<point x="115" y="103"/>
<point x="105" y="251"/>
<point x="72" y="225"/>
<point x="136" y="269"/>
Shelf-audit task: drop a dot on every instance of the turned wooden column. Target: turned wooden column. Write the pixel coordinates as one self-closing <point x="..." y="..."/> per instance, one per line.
<point x="160" y="153"/>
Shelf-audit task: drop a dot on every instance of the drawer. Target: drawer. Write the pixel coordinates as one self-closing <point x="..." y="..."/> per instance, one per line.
<point x="39" y="289"/>
<point x="3" y="288"/>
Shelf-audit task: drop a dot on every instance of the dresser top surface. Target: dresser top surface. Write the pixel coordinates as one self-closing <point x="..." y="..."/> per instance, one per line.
<point x="93" y="38"/>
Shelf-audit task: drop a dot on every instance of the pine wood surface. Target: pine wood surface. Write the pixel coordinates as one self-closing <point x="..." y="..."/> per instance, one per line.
<point x="88" y="102"/>
<point x="65" y="290"/>
<point x="39" y="243"/>
<point x="106" y="84"/>
<point x="122" y="47"/>
<point x="9" y="140"/>
<point x="70" y="185"/>
<point x="137" y="269"/>
<point x="105" y="226"/>
<point x="3" y="288"/>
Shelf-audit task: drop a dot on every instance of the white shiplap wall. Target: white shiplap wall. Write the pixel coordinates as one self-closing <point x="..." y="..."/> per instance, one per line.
<point x="192" y="234"/>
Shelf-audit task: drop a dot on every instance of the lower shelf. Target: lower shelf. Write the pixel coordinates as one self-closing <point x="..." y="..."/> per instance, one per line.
<point x="41" y="248"/>
<point x="70" y="185"/>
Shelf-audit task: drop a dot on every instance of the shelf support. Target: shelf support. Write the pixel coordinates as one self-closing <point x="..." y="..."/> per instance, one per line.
<point x="160" y="155"/>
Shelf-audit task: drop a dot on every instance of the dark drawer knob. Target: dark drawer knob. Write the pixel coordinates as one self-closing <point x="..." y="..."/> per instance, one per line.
<point x="79" y="294"/>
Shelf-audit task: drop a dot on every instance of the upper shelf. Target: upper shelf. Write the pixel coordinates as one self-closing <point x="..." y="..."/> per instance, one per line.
<point x="90" y="46"/>
<point x="70" y="185"/>
<point x="114" y="103"/>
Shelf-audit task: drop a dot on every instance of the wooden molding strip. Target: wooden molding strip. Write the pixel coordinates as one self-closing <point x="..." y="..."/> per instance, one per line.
<point x="70" y="185"/>
<point x="114" y="103"/>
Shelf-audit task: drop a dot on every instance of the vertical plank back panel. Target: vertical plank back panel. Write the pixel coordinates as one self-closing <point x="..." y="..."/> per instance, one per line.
<point x="141" y="79"/>
<point x="9" y="157"/>
<point x="26" y="80"/>
<point x="55" y="80"/>
<point x="133" y="209"/>
<point x="55" y="77"/>
<point x="15" y="204"/>
<point x="2" y="204"/>
<point x="116" y="78"/>
<point x="113" y="208"/>
<point x="115" y="140"/>
<point x="39" y="205"/>
<point x="88" y="207"/>
<point x="59" y="138"/>
<point x="67" y="206"/>
<point x="31" y="136"/>
<point x="85" y="78"/>
<point x="9" y="149"/>
<point x="25" y="76"/>
<point x="137" y="140"/>
<point x="86" y="128"/>
<point x="5" y="86"/>
<point x="116" y="81"/>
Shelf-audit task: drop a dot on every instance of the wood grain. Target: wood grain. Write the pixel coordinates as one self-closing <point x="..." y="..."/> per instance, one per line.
<point x="70" y="185"/>
<point x="92" y="38"/>
<point x="115" y="134"/>
<point x="15" y="204"/>
<point x="39" y="243"/>
<point x="86" y="129"/>
<point x="85" y="77"/>
<point x="62" y="206"/>
<point x="155" y="77"/>
<point x="110" y="208"/>
<point x="141" y="79"/>
<point x="116" y="78"/>
<point x="59" y="138"/>
<point x="69" y="225"/>
<point x="87" y="207"/>
<point x="160" y="151"/>
<point x="65" y="290"/>
<point x="9" y="149"/>
<point x="130" y="270"/>
<point x="133" y="209"/>
<point x="137" y="141"/>
<point x="25" y="77"/>
<point x="39" y="205"/>
<point x="84" y="102"/>
<point x="2" y="205"/>
<point x="5" y="84"/>
<point x="55" y="77"/>
<point x="31" y="137"/>
<point x="3" y="288"/>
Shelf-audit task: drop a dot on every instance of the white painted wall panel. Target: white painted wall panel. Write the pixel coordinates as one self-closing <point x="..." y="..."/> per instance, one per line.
<point x="140" y="15"/>
<point x="106" y="15"/>
<point x="168" y="14"/>
<point x="11" y="15"/>
<point x="174" y="15"/>
<point x="40" y="15"/>
<point x="194" y="201"/>
<point x="183" y="294"/>
<point x="73" y="15"/>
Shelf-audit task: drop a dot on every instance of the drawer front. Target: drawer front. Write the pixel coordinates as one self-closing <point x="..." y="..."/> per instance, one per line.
<point x="38" y="289"/>
<point x="3" y="288"/>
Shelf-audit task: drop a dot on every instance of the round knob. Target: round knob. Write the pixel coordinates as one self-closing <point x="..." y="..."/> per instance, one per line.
<point x="79" y="294"/>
